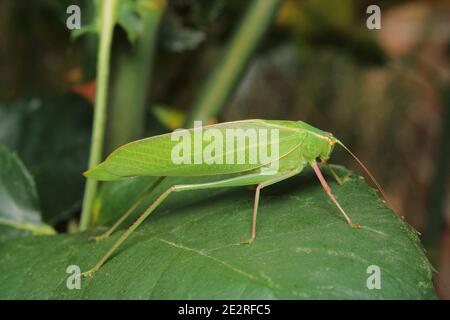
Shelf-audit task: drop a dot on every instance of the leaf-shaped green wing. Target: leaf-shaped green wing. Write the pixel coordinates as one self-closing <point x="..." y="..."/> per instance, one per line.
<point x="198" y="151"/>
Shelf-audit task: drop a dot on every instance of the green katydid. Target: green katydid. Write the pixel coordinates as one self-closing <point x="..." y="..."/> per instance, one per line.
<point x="298" y="145"/>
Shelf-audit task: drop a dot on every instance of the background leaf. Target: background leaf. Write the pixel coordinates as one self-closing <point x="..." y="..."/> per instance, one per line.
<point x="19" y="211"/>
<point x="190" y="249"/>
<point x="51" y="135"/>
<point x="177" y="38"/>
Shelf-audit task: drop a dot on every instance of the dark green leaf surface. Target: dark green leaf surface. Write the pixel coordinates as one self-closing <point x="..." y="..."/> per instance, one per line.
<point x="19" y="206"/>
<point x="190" y="248"/>
<point x="51" y="136"/>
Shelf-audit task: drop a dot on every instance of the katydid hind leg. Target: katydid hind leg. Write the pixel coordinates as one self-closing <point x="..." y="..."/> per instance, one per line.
<point x="331" y="195"/>
<point x="128" y="232"/>
<point x="151" y="187"/>
<point x="124" y="217"/>
<point x="249" y="179"/>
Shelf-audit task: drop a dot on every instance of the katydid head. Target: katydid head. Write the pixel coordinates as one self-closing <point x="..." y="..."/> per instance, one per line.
<point x="316" y="143"/>
<point x="320" y="144"/>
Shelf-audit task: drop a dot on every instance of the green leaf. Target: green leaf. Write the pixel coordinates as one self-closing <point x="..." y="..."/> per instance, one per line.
<point x="128" y="14"/>
<point x="177" y="38"/>
<point x="19" y="209"/>
<point x="128" y="19"/>
<point x="205" y="11"/>
<point x="190" y="248"/>
<point x="132" y="16"/>
<point x="90" y="19"/>
<point x="169" y="116"/>
<point x="51" y="135"/>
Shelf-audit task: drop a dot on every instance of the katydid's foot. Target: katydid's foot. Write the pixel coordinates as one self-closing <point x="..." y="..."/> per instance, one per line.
<point x="244" y="240"/>
<point x="100" y="237"/>
<point x="89" y="273"/>
<point x="345" y="179"/>
<point x="355" y="226"/>
<point x="342" y="180"/>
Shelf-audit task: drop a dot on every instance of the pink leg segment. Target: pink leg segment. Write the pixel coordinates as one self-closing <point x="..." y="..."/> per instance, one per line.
<point x="328" y="191"/>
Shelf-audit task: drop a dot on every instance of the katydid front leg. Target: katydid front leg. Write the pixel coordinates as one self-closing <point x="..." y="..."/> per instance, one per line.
<point x="249" y="179"/>
<point x="331" y="195"/>
<point x="338" y="179"/>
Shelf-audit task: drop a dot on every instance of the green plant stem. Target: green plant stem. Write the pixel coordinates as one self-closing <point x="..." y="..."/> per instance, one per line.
<point x="219" y="85"/>
<point x="131" y="83"/>
<point x="108" y="10"/>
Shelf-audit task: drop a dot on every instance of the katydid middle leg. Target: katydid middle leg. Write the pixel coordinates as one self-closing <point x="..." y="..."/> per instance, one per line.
<point x="248" y="179"/>
<point x="256" y="202"/>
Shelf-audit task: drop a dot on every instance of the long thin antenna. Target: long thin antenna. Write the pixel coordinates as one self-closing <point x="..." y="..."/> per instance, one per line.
<point x="367" y="172"/>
